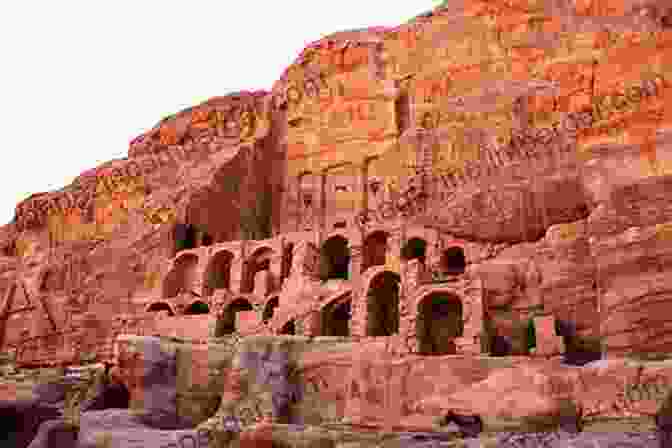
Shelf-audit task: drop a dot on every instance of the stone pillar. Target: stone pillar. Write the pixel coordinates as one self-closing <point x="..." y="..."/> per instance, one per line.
<point x="237" y="268"/>
<point x="472" y="304"/>
<point x="548" y="344"/>
<point x="393" y="253"/>
<point x="355" y="263"/>
<point x="413" y="273"/>
<point x="358" y="309"/>
<point x="276" y="271"/>
<point x="311" y="324"/>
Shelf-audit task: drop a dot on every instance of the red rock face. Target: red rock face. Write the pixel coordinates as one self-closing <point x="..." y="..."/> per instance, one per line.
<point x="529" y="143"/>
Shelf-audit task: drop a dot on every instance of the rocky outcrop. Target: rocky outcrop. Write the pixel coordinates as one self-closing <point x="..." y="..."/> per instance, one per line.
<point x="422" y="196"/>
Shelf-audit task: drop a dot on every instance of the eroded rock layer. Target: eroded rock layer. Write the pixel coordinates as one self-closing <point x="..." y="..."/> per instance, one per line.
<point x="490" y="178"/>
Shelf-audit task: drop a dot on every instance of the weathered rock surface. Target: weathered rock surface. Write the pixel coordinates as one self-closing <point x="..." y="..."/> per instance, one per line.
<point x="421" y="196"/>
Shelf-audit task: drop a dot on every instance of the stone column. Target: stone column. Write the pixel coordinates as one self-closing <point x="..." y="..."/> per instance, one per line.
<point x="276" y="271"/>
<point x="311" y="324"/>
<point x="548" y="344"/>
<point x="413" y="273"/>
<point x="470" y="343"/>
<point x="237" y="268"/>
<point x="393" y="253"/>
<point x="356" y="261"/>
<point x="358" y="311"/>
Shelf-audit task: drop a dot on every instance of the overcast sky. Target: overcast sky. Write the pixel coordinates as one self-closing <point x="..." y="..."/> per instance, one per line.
<point x="79" y="80"/>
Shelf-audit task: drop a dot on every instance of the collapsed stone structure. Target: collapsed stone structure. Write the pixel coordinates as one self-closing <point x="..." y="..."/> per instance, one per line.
<point x="432" y="187"/>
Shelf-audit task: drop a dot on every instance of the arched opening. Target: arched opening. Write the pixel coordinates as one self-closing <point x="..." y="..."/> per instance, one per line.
<point x="335" y="259"/>
<point x="453" y="261"/>
<point x="289" y="328"/>
<point x="415" y="248"/>
<point x="218" y="272"/>
<point x="182" y="277"/>
<point x="269" y="309"/>
<point x="258" y="262"/>
<point x="287" y="259"/>
<point x="207" y="239"/>
<point x="383" y="305"/>
<point x="375" y="250"/>
<point x="578" y="351"/>
<point x="500" y="346"/>
<point x="184" y="237"/>
<point x="335" y="317"/>
<point x="226" y="323"/>
<point x="160" y="306"/>
<point x="198" y="307"/>
<point x="439" y="322"/>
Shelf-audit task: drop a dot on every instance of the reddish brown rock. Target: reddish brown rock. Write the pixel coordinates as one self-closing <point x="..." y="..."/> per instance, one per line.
<point x="434" y="189"/>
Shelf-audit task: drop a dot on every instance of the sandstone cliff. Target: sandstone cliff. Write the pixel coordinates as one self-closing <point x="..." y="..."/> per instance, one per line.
<point x="518" y="150"/>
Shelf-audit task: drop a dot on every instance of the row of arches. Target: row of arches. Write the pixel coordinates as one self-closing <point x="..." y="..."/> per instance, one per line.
<point x="183" y="276"/>
<point x="335" y="263"/>
<point x="439" y="317"/>
<point x="335" y="255"/>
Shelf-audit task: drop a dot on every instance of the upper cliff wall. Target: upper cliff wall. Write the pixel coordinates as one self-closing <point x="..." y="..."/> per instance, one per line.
<point x="464" y="91"/>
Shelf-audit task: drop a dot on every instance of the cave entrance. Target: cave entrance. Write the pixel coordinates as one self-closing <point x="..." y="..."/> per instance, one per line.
<point x="415" y="248"/>
<point x="226" y="323"/>
<point x="160" y="306"/>
<point x="182" y="277"/>
<point x="335" y="317"/>
<point x="218" y="272"/>
<point x="198" y="307"/>
<point x="438" y="323"/>
<point x="184" y="237"/>
<point x="453" y="261"/>
<point x="335" y="259"/>
<point x="289" y="328"/>
<point x="383" y="305"/>
<point x="259" y="261"/>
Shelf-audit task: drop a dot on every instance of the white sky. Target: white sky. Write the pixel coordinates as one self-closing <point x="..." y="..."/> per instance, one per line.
<point x="79" y="80"/>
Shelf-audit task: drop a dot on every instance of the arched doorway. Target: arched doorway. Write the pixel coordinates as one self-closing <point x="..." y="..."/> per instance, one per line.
<point x="226" y="323"/>
<point x="198" y="307"/>
<point x="160" y="306"/>
<point x="383" y="305"/>
<point x="415" y="248"/>
<point x="375" y="250"/>
<point x="289" y="328"/>
<point x="453" y="261"/>
<point x="259" y="261"/>
<point x="207" y="239"/>
<point x="218" y="272"/>
<point x="184" y="236"/>
<point x="438" y="323"/>
<point x="269" y="309"/>
<point x="335" y="317"/>
<point x="335" y="259"/>
<point x="182" y="277"/>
